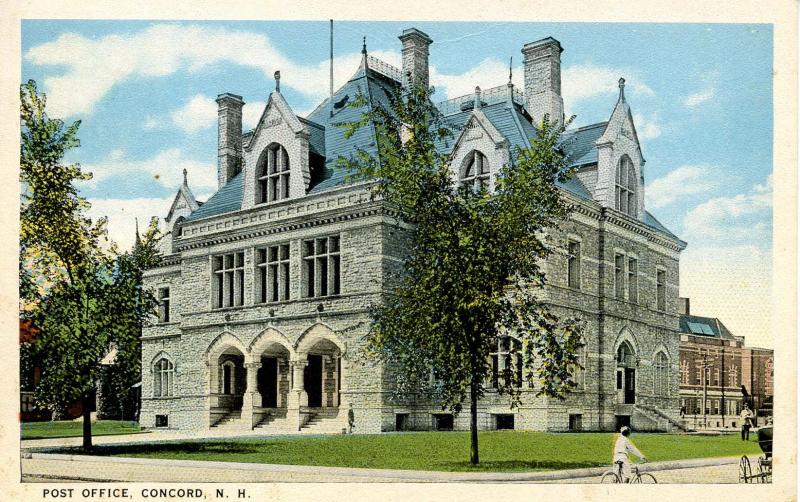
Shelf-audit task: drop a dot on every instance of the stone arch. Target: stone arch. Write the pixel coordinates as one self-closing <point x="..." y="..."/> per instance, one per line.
<point x="661" y="348"/>
<point x="222" y="342"/>
<point x="316" y="333"/>
<point x="626" y="335"/>
<point x="266" y="338"/>
<point x="162" y="354"/>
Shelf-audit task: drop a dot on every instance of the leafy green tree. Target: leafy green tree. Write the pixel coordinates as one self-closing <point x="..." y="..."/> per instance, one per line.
<point x="83" y="298"/>
<point x="132" y="307"/>
<point x="474" y="263"/>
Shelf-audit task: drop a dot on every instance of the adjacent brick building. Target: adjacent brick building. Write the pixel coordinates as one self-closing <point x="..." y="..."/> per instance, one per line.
<point x="264" y="288"/>
<point x="734" y="374"/>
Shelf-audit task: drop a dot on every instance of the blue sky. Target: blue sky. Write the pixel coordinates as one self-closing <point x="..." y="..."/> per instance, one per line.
<point x="701" y="95"/>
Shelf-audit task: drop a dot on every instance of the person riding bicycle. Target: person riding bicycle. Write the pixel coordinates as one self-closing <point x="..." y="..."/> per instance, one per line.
<point x="622" y="447"/>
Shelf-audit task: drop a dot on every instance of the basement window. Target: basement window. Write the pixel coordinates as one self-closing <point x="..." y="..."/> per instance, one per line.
<point x="443" y="421"/>
<point x="504" y="422"/>
<point x="162" y="420"/>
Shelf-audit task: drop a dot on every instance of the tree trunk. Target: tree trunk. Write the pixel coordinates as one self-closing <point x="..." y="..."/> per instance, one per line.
<point x="87" y="422"/>
<point x="473" y="424"/>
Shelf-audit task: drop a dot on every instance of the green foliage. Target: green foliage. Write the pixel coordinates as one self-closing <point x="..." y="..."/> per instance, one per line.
<point x="85" y="297"/>
<point x="474" y="262"/>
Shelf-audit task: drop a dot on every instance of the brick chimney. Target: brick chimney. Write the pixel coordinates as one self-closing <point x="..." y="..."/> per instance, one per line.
<point x="229" y="139"/>
<point x="543" y="80"/>
<point x="415" y="57"/>
<point x="683" y="306"/>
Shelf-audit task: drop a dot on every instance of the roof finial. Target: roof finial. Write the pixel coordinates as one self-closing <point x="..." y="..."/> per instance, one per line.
<point x="510" y="63"/>
<point x="277" y="81"/>
<point x="185" y="182"/>
<point x="477" y="98"/>
<point x="621" y="89"/>
<point x="364" y="46"/>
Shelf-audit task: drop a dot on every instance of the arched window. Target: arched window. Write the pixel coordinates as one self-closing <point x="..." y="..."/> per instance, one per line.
<point x="164" y="380"/>
<point x="475" y="172"/>
<point x="625" y="356"/>
<point x="661" y="375"/>
<point x="228" y="378"/>
<point x="626" y="186"/>
<point x="178" y="230"/>
<point x="273" y="174"/>
<point x="507" y="362"/>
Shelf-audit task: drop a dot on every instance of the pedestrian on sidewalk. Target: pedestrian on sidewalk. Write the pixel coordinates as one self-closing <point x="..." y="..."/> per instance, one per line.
<point x="747" y="421"/>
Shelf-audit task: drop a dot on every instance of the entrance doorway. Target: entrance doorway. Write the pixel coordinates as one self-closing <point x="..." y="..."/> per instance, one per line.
<point x="268" y="382"/>
<point x="623" y="421"/>
<point x="312" y="380"/>
<point x="630" y="386"/>
<point x="626" y="374"/>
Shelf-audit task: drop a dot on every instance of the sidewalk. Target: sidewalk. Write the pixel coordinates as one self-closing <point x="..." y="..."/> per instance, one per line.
<point x="92" y="468"/>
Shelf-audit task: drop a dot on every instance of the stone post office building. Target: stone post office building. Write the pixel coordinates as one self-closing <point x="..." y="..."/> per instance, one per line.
<point x="264" y="288"/>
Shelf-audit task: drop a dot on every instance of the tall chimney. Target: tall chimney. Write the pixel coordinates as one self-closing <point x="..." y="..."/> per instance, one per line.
<point x="415" y="57"/>
<point x="684" y="306"/>
<point x="543" y="80"/>
<point x="229" y="139"/>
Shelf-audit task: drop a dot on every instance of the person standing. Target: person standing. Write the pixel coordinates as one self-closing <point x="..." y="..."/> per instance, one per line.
<point x="622" y="447"/>
<point x="747" y="421"/>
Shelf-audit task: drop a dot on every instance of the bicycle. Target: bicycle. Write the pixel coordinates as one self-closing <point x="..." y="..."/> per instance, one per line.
<point x="615" y="476"/>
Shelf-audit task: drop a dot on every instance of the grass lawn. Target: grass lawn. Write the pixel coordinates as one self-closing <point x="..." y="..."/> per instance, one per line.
<point x="442" y="451"/>
<point x="68" y="429"/>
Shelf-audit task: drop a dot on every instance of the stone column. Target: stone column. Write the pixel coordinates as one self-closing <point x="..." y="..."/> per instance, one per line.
<point x="297" y="395"/>
<point x="251" y="398"/>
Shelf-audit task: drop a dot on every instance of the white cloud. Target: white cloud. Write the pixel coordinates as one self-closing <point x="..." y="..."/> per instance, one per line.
<point x="251" y="114"/>
<point x="486" y="74"/>
<point x="585" y="81"/>
<point x="742" y="216"/>
<point x="90" y="68"/>
<point x="697" y="98"/>
<point x="648" y="127"/>
<point x="732" y="283"/>
<point x="166" y="167"/>
<point x="200" y="112"/>
<point x="680" y="182"/>
<point x="123" y="213"/>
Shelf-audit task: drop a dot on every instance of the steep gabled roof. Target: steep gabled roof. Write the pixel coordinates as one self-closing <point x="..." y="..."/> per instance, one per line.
<point x="226" y="200"/>
<point x="579" y="144"/>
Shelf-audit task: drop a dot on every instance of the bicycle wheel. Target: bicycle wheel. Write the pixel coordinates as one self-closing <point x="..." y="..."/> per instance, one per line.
<point x="610" y="477"/>
<point x="646" y="478"/>
<point x="745" y="471"/>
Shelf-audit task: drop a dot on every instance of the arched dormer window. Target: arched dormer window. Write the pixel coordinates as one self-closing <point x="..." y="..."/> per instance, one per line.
<point x="661" y="375"/>
<point x="177" y="227"/>
<point x="475" y="172"/>
<point x="626" y="186"/>
<point x="164" y="381"/>
<point x="273" y="174"/>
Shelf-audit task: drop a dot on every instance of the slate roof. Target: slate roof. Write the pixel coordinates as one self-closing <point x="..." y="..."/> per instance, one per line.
<point x="327" y="138"/>
<point x="580" y="144"/>
<point x="226" y="200"/>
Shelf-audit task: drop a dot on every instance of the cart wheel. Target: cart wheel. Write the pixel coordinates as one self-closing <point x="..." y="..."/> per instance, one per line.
<point x="745" y="471"/>
<point x="610" y="477"/>
<point x="646" y="478"/>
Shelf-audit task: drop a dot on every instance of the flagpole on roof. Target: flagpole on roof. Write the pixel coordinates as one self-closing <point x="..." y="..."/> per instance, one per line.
<point x="331" y="81"/>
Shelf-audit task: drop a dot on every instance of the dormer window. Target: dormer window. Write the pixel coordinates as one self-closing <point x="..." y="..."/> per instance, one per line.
<point x="476" y="171"/>
<point x="273" y="177"/>
<point x="626" y="186"/>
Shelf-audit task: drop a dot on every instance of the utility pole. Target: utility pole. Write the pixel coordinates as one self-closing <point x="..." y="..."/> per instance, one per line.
<point x="706" y="366"/>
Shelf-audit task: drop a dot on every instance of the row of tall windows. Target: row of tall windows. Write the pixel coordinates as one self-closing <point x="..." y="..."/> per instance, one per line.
<point x="320" y="269"/>
<point x="626" y="277"/>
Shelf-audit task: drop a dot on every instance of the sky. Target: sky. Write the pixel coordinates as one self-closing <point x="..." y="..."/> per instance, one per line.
<point x="701" y="97"/>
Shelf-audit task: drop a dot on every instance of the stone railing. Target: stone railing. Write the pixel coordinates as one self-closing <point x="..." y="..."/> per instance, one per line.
<point x="384" y="68"/>
<point x="489" y="96"/>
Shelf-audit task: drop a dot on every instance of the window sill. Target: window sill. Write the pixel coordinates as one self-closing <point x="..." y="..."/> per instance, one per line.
<point x="168" y="323"/>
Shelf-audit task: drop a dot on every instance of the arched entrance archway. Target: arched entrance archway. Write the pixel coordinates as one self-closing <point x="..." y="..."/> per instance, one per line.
<point x="231" y="380"/>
